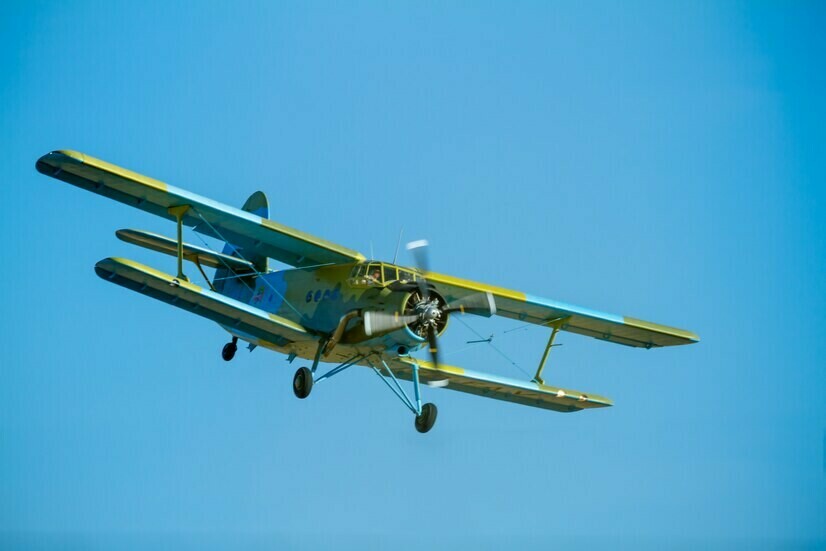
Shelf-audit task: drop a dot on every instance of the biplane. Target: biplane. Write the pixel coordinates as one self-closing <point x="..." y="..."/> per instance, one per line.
<point x="333" y="305"/>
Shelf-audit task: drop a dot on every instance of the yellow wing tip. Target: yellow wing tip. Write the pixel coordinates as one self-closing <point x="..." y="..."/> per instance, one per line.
<point x="682" y="334"/>
<point x="67" y="153"/>
<point x="52" y="162"/>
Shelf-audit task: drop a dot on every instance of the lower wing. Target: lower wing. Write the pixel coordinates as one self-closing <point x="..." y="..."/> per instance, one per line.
<point x="498" y="388"/>
<point x="198" y="300"/>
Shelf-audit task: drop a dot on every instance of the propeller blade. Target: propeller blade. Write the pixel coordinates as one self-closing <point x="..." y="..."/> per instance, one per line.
<point x="381" y="322"/>
<point x="480" y="304"/>
<point x="434" y="345"/>
<point x="419" y="251"/>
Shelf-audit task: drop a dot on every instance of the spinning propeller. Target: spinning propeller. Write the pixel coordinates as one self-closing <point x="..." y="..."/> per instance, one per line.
<point x="426" y="311"/>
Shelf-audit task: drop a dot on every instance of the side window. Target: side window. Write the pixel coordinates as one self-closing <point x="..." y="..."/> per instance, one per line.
<point x="359" y="275"/>
<point x="389" y="274"/>
<point x="405" y="276"/>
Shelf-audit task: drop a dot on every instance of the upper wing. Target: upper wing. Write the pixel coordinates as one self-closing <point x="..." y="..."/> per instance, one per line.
<point x="193" y="298"/>
<point x="542" y="311"/>
<point x="499" y="388"/>
<point x="242" y="229"/>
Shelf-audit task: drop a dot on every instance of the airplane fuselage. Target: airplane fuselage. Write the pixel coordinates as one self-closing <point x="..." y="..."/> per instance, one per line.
<point x="323" y="298"/>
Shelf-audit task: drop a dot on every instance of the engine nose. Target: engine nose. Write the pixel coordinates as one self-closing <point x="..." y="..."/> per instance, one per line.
<point x="429" y="313"/>
<point x="432" y="313"/>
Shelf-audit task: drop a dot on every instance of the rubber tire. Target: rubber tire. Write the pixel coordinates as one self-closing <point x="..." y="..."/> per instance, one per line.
<point x="229" y="350"/>
<point x="303" y="382"/>
<point x="425" y="421"/>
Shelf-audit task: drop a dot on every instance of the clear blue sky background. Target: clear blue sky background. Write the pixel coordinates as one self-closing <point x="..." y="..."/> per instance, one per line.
<point x="661" y="161"/>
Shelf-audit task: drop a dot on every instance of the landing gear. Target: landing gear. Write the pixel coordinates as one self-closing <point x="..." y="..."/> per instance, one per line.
<point x="425" y="414"/>
<point x="230" y="349"/>
<point x="303" y="382"/>
<point x="426" y="419"/>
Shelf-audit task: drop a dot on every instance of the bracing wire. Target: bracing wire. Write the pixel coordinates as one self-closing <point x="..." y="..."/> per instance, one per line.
<point x="490" y="343"/>
<point x="241" y="277"/>
<point x="267" y="283"/>
<point x="235" y="275"/>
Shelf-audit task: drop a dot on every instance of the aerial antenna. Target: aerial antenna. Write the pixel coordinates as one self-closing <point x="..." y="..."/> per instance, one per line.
<point x="399" y="242"/>
<point x="371" y="250"/>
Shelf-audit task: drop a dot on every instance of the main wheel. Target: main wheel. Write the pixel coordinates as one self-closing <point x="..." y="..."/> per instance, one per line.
<point x="303" y="382"/>
<point x="229" y="350"/>
<point x="426" y="419"/>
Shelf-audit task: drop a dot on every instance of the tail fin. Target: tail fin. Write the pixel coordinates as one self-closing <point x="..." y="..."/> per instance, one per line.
<point x="224" y="283"/>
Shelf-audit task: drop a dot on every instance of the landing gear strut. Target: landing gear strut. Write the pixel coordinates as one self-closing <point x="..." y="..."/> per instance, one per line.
<point x="230" y="349"/>
<point x="425" y="414"/>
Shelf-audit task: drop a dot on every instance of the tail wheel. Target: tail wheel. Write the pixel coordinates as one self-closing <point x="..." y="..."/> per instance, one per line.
<point x="303" y="382"/>
<point x="229" y="350"/>
<point x="426" y="419"/>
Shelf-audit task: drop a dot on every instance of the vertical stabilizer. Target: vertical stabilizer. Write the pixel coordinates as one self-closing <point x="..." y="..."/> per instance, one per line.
<point x="257" y="204"/>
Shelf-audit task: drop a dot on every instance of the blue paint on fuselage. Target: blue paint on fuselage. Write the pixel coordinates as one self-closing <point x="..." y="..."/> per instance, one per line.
<point x="318" y="302"/>
<point x="269" y="292"/>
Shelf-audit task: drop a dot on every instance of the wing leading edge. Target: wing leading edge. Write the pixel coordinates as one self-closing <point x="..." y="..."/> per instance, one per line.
<point x="244" y="230"/>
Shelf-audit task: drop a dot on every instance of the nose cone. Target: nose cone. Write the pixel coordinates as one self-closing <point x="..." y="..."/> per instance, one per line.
<point x="431" y="314"/>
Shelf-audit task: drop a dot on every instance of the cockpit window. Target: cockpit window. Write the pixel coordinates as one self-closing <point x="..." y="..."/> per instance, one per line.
<point x="374" y="273"/>
<point x="405" y="276"/>
<point x="389" y="274"/>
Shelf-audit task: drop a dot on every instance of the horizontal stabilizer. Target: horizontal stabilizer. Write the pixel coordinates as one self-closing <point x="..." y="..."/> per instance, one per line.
<point x="498" y="388"/>
<point x="208" y="304"/>
<point x="193" y="253"/>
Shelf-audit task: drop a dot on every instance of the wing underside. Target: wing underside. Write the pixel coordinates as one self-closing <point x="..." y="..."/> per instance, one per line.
<point x="193" y="253"/>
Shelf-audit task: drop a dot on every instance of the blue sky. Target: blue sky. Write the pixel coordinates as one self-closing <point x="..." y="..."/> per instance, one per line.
<point x="661" y="161"/>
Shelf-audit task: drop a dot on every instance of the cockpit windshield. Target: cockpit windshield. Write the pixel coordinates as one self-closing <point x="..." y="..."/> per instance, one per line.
<point x="379" y="274"/>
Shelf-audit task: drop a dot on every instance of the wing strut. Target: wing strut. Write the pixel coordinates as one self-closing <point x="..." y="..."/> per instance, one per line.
<point x="203" y="273"/>
<point x="556" y="324"/>
<point x="416" y="407"/>
<point x="178" y="213"/>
